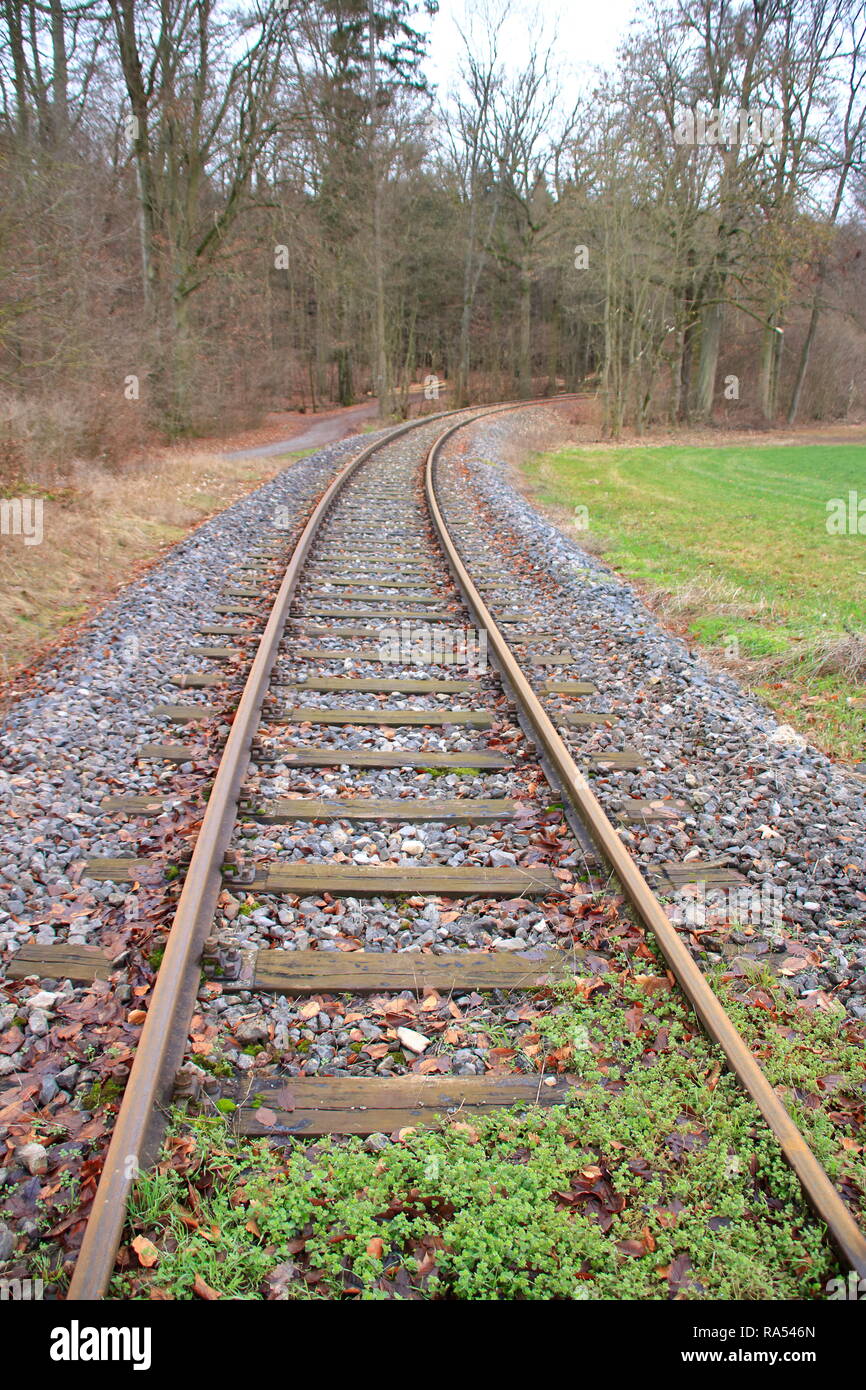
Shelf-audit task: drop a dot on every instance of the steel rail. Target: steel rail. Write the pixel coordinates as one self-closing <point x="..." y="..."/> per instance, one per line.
<point x="163" y="1039"/>
<point x="819" y="1190"/>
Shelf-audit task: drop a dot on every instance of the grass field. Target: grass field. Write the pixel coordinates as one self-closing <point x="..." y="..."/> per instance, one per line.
<point x="733" y="544"/>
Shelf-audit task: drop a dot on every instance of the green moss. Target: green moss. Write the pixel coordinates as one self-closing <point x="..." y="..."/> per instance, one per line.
<point x="215" y="1064"/>
<point x="102" y="1093"/>
<point x="435" y="772"/>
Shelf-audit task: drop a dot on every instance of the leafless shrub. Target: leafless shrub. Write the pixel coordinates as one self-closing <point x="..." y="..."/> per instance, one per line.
<point x="595" y="544"/>
<point x="40" y="437"/>
<point x="839" y="656"/>
<point x="712" y="594"/>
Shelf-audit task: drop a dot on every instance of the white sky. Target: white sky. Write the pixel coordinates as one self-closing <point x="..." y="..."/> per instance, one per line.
<point x="588" y="32"/>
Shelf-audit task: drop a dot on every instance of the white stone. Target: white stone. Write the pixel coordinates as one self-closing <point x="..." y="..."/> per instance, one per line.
<point x="34" y="1157"/>
<point x="412" y="1041"/>
<point x="43" y="1000"/>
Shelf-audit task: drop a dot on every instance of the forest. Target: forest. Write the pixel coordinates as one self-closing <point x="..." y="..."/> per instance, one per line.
<point x="212" y="211"/>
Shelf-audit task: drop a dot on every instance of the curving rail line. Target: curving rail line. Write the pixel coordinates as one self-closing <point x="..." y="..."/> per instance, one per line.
<point x="163" y="1039"/>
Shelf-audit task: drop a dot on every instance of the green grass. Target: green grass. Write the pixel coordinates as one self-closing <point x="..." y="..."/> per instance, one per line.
<point x="658" y="1179"/>
<point x="737" y="541"/>
<point x="294" y="455"/>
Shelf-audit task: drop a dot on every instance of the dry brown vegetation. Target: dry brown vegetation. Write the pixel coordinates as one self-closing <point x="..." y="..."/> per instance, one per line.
<point x="100" y="529"/>
<point x="840" y="656"/>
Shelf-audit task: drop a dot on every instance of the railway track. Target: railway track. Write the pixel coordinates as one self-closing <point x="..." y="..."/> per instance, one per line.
<point x="391" y="656"/>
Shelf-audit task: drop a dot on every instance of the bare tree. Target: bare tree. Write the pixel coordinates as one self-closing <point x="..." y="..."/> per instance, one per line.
<point x="846" y="156"/>
<point x="531" y="134"/>
<point x="200" y="120"/>
<point x="469" y="124"/>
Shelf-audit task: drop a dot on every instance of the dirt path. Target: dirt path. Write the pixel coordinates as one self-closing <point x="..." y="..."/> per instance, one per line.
<point x="289" y="431"/>
<point x="324" y="429"/>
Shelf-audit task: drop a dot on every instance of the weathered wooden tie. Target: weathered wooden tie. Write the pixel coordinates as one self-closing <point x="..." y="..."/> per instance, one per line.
<point x="377" y="1105"/>
<point x="382" y="685"/>
<point x="217" y="653"/>
<point x="570" y="687"/>
<point x="623" y="760"/>
<point x="395" y="718"/>
<point x="467" y="810"/>
<point x="223" y="630"/>
<point x="184" y="714"/>
<point x="295" y="755"/>
<point x="81" y="964"/>
<point x="376" y="972"/>
<point x="389" y="615"/>
<point x="672" y="876"/>
<point x="172" y="752"/>
<point x="368" y="581"/>
<point x="137" y="805"/>
<point x="374" y="656"/>
<point x="389" y="880"/>
<point x="374" y="596"/>
<point x="196" y="680"/>
<point x="421" y="632"/>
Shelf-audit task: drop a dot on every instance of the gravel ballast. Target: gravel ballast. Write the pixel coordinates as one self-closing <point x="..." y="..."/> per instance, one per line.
<point x="757" y="798"/>
<point x="73" y="736"/>
<point x="760" y="798"/>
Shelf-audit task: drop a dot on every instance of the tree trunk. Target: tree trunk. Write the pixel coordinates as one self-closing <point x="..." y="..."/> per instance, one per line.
<point x="684" y="410"/>
<point x="766" y="372"/>
<point x="344" y="375"/>
<point x="181" y="392"/>
<point x="852" y="136"/>
<point x="711" y="337"/>
<point x="60" y="76"/>
<point x="19" y="67"/>
<point x="461" y="390"/>
<point x="524" y="367"/>
<point x="805" y="354"/>
<point x="381" y="383"/>
<point x="469" y="282"/>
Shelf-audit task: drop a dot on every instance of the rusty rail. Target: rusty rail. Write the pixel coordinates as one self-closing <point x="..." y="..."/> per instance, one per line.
<point x="819" y="1190"/>
<point x="163" y="1037"/>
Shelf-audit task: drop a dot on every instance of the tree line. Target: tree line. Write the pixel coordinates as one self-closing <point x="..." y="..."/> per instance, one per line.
<point x="209" y="212"/>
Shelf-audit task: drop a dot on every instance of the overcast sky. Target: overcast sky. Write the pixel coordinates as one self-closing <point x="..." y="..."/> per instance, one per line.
<point x="588" y="31"/>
